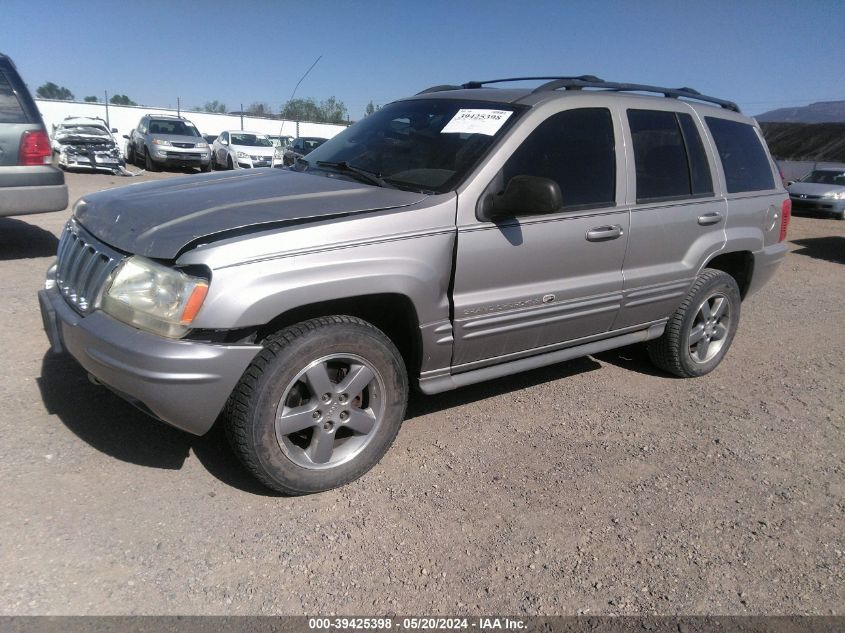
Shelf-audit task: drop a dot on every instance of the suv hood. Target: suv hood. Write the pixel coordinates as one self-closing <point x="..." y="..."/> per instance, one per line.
<point x="813" y="188"/>
<point x="159" y="219"/>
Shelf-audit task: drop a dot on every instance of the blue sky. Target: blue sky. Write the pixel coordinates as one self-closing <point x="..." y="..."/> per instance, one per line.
<point x="763" y="55"/>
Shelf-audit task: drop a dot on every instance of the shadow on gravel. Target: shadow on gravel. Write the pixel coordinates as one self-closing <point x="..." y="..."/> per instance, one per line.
<point x="633" y="358"/>
<point x="19" y="240"/>
<point x="830" y="248"/>
<point x="116" y="428"/>
<point x="420" y="404"/>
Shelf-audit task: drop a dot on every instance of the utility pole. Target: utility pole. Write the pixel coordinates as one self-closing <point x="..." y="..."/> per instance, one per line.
<point x="242" y="117"/>
<point x="294" y="92"/>
<point x="178" y="107"/>
<point x="108" y="123"/>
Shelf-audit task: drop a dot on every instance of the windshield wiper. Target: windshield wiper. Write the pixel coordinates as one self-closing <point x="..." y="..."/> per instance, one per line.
<point x="363" y="174"/>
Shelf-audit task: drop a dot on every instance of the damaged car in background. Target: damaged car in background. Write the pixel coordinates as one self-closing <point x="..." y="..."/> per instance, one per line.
<point x="86" y="143"/>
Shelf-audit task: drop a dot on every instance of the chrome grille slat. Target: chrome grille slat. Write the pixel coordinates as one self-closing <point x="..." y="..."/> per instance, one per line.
<point x="84" y="264"/>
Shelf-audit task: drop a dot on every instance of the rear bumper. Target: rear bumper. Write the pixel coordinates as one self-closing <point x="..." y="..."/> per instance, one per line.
<point x="183" y="383"/>
<point x="38" y="189"/>
<point x="766" y="262"/>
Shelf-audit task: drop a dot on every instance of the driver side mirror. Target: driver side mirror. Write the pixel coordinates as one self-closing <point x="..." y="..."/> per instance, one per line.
<point x="790" y="182"/>
<point x="524" y="195"/>
<point x="224" y="142"/>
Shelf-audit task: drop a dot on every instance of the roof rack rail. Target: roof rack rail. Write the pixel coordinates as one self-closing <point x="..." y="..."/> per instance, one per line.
<point x="570" y="83"/>
<point x="591" y="81"/>
<point x="480" y="84"/>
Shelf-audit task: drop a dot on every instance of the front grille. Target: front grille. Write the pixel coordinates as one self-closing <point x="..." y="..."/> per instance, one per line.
<point x="82" y="267"/>
<point x="185" y="155"/>
<point x="183" y="145"/>
<point x="804" y="196"/>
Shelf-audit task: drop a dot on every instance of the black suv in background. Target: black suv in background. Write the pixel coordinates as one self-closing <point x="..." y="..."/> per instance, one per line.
<point x="28" y="181"/>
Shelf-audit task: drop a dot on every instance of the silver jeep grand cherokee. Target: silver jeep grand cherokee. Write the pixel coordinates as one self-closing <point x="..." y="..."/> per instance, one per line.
<point x="466" y="233"/>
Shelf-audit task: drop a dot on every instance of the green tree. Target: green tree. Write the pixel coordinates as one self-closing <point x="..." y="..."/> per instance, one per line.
<point x="91" y="99"/>
<point x="332" y="111"/>
<point x="215" y="106"/>
<point x="371" y="109"/>
<point x="259" y="108"/>
<point x="52" y="91"/>
<point x="301" y="110"/>
<point x="121" y="100"/>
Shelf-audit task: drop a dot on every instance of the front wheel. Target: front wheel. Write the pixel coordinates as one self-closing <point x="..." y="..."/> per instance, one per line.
<point x="319" y="406"/>
<point x="701" y="330"/>
<point x="148" y="161"/>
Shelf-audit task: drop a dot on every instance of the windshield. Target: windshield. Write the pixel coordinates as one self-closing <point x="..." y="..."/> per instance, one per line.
<point x="251" y="140"/>
<point x="176" y="128"/>
<point x="423" y="144"/>
<point x="825" y="177"/>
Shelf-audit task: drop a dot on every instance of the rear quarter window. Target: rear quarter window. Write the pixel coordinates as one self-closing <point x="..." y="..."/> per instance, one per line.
<point x="11" y="110"/>
<point x="744" y="160"/>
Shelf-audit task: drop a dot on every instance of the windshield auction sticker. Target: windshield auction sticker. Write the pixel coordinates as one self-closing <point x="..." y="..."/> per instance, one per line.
<point x="472" y="121"/>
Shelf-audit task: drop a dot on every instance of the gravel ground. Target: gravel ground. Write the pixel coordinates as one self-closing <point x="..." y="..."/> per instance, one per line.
<point x="595" y="486"/>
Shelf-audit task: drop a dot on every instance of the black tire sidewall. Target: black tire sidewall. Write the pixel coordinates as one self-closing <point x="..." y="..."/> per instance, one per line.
<point x="725" y="285"/>
<point x="334" y="339"/>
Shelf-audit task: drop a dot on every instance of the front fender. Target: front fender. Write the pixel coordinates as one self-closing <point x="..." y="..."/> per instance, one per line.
<point x="254" y="294"/>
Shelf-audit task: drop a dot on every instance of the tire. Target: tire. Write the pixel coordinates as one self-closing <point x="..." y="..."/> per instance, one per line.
<point x="206" y="168"/>
<point x="131" y="159"/>
<point x="692" y="345"/>
<point x="299" y="376"/>
<point x="229" y="163"/>
<point x="840" y="216"/>
<point x="148" y="162"/>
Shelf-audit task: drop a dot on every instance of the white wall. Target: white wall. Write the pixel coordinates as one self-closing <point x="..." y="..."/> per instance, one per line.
<point x="125" y="118"/>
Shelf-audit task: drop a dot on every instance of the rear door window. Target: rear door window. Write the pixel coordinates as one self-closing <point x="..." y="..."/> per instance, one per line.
<point x="11" y="110"/>
<point x="744" y="160"/>
<point x="669" y="156"/>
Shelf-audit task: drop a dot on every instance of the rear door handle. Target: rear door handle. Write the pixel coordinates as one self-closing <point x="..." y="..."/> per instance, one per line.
<point x="602" y="233"/>
<point x="710" y="218"/>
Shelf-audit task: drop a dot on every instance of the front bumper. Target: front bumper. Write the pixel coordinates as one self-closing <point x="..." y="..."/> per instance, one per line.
<point x="183" y="383"/>
<point x="818" y="205"/>
<point x="195" y="158"/>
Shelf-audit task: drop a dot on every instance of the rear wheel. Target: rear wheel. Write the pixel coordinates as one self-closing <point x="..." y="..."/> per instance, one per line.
<point x="698" y="335"/>
<point x="319" y="406"/>
<point x="130" y="158"/>
<point x="229" y="162"/>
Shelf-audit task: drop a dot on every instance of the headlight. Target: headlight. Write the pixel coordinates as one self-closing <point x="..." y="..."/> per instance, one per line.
<point x="202" y="145"/>
<point x="242" y="155"/>
<point x="836" y="195"/>
<point x="153" y="297"/>
<point x="160" y="141"/>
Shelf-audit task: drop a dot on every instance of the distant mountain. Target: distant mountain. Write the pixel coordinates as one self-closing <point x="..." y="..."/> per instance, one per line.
<point x="806" y="141"/>
<point x="820" y="112"/>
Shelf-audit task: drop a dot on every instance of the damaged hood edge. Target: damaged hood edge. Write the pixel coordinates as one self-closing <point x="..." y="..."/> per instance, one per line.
<point x="161" y="219"/>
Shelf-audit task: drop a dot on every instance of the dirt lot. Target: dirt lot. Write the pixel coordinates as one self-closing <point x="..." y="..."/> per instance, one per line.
<point x="595" y="486"/>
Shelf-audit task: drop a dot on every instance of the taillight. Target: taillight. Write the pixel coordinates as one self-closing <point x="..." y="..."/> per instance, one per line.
<point x="35" y="148"/>
<point x="785" y="215"/>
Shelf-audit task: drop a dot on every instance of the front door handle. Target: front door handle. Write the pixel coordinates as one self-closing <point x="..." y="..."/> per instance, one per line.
<point x="710" y="218"/>
<point x="602" y="233"/>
